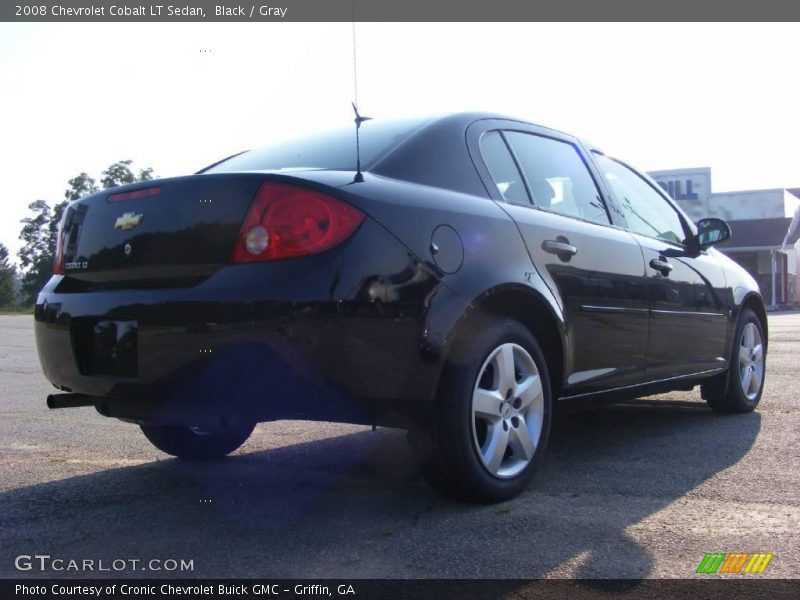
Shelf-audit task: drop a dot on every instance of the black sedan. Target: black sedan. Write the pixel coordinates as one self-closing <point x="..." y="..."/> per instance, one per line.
<point x="463" y="277"/>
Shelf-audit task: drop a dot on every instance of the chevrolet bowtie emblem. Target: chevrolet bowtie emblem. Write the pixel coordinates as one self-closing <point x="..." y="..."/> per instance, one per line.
<point x="128" y="221"/>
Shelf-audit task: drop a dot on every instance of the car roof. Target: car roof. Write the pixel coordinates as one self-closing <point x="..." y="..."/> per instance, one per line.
<point x="436" y="154"/>
<point x="464" y="119"/>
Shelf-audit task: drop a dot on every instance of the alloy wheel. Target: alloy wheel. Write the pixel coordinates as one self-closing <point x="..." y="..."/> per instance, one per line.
<point x="507" y="411"/>
<point x="751" y="361"/>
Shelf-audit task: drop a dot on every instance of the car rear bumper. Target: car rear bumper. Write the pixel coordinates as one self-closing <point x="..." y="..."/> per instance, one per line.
<point x="336" y="337"/>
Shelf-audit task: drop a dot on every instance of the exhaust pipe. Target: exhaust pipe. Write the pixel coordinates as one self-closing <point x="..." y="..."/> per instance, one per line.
<point x="69" y="400"/>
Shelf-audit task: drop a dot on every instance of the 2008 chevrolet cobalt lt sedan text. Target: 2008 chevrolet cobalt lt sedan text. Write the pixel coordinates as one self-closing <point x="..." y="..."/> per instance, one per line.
<point x="476" y="275"/>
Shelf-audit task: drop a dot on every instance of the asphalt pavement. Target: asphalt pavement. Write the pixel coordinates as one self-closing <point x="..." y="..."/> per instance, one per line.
<point x="640" y="489"/>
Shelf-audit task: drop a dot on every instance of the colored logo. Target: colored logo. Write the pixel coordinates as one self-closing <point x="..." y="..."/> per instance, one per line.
<point x="734" y="562"/>
<point x="128" y="221"/>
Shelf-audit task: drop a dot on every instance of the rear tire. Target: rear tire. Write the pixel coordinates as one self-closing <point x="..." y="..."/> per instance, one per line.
<point x="193" y="444"/>
<point x="490" y="425"/>
<point x="739" y="389"/>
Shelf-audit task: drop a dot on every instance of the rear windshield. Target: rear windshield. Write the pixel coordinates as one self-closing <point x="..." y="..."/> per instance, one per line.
<point x="335" y="150"/>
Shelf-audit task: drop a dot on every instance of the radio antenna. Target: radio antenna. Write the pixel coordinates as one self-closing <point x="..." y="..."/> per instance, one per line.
<point x="359" y="119"/>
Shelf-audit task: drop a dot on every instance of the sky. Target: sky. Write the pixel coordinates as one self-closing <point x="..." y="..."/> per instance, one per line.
<point x="177" y="96"/>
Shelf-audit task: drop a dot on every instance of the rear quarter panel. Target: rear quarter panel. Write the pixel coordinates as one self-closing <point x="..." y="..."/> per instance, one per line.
<point x="494" y="254"/>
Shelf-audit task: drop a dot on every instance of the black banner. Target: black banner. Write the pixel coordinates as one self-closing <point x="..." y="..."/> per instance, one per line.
<point x="417" y="589"/>
<point x="397" y="10"/>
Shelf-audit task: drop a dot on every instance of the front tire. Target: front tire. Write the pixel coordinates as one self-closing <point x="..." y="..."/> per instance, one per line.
<point x="489" y="427"/>
<point x="739" y="389"/>
<point x="192" y="443"/>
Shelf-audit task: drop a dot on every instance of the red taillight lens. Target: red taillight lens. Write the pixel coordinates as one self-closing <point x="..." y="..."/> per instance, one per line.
<point x="58" y="256"/>
<point x="144" y="193"/>
<point x="286" y="221"/>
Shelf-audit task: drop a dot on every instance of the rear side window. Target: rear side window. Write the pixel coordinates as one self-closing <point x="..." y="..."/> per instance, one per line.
<point x="334" y="150"/>
<point x="557" y="176"/>
<point x="502" y="168"/>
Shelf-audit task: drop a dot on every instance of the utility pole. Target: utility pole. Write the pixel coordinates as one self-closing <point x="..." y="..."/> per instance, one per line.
<point x="772" y="262"/>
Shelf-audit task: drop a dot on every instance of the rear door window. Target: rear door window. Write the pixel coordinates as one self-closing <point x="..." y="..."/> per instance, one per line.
<point x="502" y="168"/>
<point x="557" y="177"/>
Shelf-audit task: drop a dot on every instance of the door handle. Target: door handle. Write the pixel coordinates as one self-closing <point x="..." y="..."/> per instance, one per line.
<point x="561" y="247"/>
<point x="661" y="265"/>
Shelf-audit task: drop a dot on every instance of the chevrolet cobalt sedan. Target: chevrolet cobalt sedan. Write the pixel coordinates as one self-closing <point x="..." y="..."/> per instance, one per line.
<point x="463" y="277"/>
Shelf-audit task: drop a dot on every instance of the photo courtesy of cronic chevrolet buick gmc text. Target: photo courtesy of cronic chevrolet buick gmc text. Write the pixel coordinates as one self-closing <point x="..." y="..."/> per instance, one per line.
<point x="476" y="275"/>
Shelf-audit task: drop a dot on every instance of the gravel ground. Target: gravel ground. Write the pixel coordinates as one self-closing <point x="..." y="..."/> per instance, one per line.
<point x="640" y="489"/>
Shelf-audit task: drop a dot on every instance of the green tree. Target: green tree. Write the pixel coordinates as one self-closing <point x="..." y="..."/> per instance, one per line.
<point x="39" y="232"/>
<point x="120" y="173"/>
<point x="80" y="186"/>
<point x="36" y="255"/>
<point x="7" y="272"/>
<point x="34" y="233"/>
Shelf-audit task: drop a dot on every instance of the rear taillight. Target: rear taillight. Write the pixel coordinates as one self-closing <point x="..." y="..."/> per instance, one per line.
<point x="287" y="221"/>
<point x="58" y="256"/>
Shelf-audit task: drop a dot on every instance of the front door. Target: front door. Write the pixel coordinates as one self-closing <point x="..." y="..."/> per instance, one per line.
<point x="688" y="314"/>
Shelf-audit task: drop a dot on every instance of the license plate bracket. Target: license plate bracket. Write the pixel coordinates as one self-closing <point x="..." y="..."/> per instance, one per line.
<point x="105" y="347"/>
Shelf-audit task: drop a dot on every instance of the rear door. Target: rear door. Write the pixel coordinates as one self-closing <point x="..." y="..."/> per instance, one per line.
<point x="595" y="268"/>
<point x="686" y="289"/>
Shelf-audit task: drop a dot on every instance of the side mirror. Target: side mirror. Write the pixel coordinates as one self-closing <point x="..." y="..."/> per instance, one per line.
<point x="711" y="232"/>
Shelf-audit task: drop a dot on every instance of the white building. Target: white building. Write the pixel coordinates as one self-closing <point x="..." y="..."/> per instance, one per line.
<point x="764" y="237"/>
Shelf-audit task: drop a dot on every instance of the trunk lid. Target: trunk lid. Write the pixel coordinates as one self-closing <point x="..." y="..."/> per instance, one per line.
<point x="182" y="228"/>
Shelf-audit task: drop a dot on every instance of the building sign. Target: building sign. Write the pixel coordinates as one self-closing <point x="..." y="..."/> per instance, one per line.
<point x="679" y="189"/>
<point x="685" y="184"/>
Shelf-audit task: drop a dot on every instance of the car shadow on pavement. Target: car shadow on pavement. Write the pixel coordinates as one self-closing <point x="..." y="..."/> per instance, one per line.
<point x="354" y="505"/>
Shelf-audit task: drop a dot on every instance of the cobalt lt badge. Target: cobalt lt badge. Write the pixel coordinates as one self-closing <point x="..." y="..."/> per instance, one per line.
<point x="128" y="221"/>
<point x="128" y="248"/>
